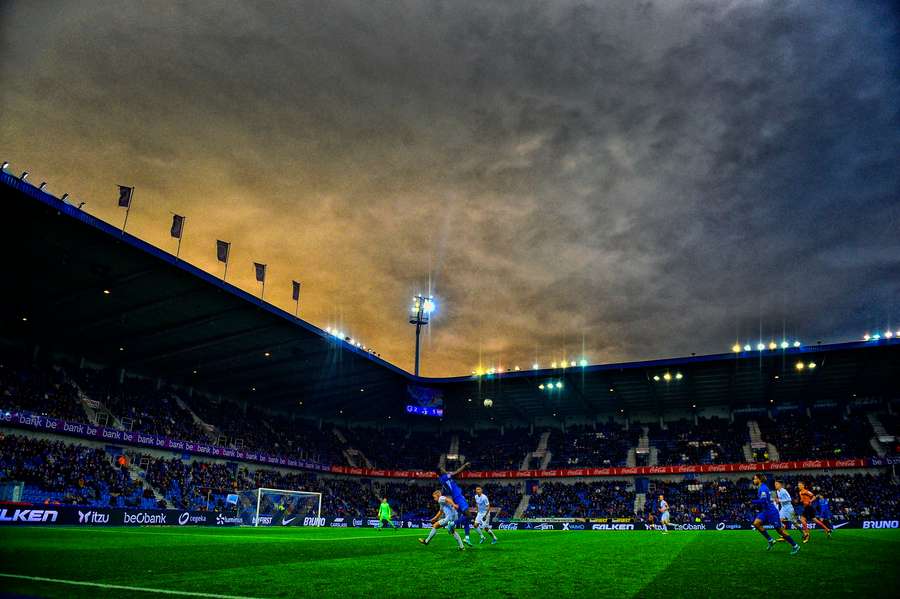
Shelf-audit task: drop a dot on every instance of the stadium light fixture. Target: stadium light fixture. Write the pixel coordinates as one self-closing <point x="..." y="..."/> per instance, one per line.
<point x="559" y="384"/>
<point x="583" y="362"/>
<point x="5" y="164"/>
<point x="572" y="363"/>
<point x="24" y="176"/>
<point x="24" y="319"/>
<point x="888" y="334"/>
<point x="106" y="292"/>
<point x="553" y="365"/>
<point x="488" y="403"/>
<point x="773" y="345"/>
<point x="267" y="354"/>
<point x="866" y="337"/>
<point x="785" y="345"/>
<point x="747" y="347"/>
<point x="811" y="365"/>
<point x="667" y="377"/>
<point x="420" y="314"/>
<point x="796" y="344"/>
<point x="541" y="386"/>
<point x="517" y="369"/>
<point x="535" y="366"/>
<point x="121" y="349"/>
<point x="800" y="366"/>
<point x="761" y="346"/>
<point x="876" y="337"/>
<point x="656" y="377"/>
<point x="736" y="348"/>
<point x="42" y="185"/>
<point x="678" y="376"/>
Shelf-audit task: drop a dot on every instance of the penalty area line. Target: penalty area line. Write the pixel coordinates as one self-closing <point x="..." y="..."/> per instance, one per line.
<point x="101" y="585"/>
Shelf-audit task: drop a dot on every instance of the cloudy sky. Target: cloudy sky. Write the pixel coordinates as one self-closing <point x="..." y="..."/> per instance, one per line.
<point x="621" y="179"/>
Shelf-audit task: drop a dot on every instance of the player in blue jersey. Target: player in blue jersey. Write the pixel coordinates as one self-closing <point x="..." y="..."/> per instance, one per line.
<point x="452" y="489"/>
<point x="768" y="514"/>
<point x="823" y="511"/>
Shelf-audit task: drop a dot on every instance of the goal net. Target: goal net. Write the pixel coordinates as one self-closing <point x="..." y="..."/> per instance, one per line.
<point x="279" y="507"/>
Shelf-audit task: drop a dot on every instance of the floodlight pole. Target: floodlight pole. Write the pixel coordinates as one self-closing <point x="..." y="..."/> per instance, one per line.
<point x="419" y="318"/>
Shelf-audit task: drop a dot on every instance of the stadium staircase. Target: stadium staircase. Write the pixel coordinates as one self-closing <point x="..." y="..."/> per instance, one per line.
<point x="523" y="506"/>
<point x="748" y="453"/>
<point x="354" y="457"/>
<point x="96" y="413"/>
<point x="757" y="442"/>
<point x="454" y="447"/>
<point x="631" y="458"/>
<point x="640" y="499"/>
<point x="644" y="448"/>
<point x="541" y="453"/>
<point x="211" y="432"/>
<point x="881" y="435"/>
<point x="137" y="470"/>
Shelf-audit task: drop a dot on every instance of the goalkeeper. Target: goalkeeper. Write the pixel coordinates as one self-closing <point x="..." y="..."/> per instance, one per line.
<point x="384" y="514"/>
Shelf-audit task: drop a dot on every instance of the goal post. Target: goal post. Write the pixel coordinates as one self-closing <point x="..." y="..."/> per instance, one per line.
<point x="274" y="507"/>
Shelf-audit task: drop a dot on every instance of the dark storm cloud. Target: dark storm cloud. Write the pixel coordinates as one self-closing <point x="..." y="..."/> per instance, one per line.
<point x="634" y="178"/>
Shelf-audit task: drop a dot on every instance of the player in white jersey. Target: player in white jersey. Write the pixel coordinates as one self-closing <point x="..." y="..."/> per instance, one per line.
<point x="483" y="517"/>
<point x="664" y="515"/>
<point x="446" y="517"/>
<point x="786" y="511"/>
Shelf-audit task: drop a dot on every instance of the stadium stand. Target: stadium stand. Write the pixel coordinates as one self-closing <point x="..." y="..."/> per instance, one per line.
<point x="582" y="500"/>
<point x="39" y="389"/>
<point x="496" y="449"/>
<point x="851" y="496"/>
<point x="73" y="474"/>
<point x="709" y="441"/>
<point x="68" y="474"/>
<point x="605" y="445"/>
<point x="825" y="433"/>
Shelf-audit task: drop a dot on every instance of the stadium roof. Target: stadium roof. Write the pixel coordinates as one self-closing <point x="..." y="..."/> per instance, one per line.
<point x="166" y="318"/>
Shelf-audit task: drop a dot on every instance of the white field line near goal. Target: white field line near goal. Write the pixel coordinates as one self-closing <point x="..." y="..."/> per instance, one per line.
<point x="120" y="587"/>
<point x="248" y="536"/>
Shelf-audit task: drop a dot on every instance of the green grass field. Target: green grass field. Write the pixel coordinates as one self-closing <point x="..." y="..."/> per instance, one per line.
<point x="356" y="563"/>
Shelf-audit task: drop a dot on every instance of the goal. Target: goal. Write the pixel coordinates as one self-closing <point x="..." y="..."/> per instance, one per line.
<point x="278" y="507"/>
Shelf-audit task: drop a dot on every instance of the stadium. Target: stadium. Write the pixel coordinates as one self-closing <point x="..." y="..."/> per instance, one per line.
<point x="618" y="186"/>
<point x="99" y="437"/>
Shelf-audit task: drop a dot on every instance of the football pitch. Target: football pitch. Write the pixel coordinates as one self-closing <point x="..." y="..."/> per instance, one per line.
<point x="302" y="562"/>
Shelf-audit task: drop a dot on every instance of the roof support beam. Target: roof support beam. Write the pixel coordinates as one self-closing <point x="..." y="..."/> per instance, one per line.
<point x="177" y="351"/>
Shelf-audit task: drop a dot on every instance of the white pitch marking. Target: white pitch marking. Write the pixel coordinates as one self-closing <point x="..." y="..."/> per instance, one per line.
<point x="101" y="585"/>
<point x="239" y="536"/>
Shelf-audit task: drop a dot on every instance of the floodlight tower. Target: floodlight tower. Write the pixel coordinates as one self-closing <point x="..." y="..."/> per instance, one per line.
<point x="420" y="313"/>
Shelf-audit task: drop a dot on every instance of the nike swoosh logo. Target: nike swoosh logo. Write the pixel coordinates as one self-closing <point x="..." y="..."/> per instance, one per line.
<point x="839" y="525"/>
<point x="287" y="521"/>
